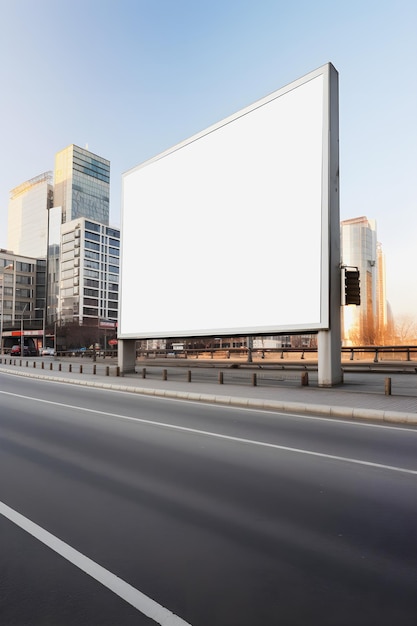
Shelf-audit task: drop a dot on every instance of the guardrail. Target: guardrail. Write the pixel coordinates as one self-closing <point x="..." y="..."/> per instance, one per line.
<point x="376" y="353"/>
<point x="352" y="353"/>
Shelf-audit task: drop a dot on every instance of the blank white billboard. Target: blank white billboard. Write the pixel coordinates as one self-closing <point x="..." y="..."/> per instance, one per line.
<point x="227" y="232"/>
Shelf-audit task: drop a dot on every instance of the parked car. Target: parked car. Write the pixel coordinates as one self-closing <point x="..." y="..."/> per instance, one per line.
<point x="47" y="351"/>
<point x="15" y="351"/>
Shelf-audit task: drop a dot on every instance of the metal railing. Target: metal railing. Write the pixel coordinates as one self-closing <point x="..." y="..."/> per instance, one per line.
<point x="374" y="353"/>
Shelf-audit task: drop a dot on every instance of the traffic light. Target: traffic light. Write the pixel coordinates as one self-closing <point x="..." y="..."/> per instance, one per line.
<point x="352" y="287"/>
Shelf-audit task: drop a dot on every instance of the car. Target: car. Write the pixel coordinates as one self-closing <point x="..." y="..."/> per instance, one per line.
<point x="47" y="351"/>
<point x="15" y="351"/>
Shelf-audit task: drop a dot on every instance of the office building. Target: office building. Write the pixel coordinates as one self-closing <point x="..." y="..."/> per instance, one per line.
<point x="22" y="293"/>
<point x="28" y="216"/>
<point x="89" y="273"/>
<point x="63" y="219"/>
<point x="364" y="324"/>
<point x="82" y="185"/>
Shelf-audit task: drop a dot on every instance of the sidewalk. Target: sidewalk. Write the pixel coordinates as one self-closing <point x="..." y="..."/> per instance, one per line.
<point x="360" y="397"/>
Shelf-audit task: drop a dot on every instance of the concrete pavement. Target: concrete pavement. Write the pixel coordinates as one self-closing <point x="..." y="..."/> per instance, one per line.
<point x="359" y="397"/>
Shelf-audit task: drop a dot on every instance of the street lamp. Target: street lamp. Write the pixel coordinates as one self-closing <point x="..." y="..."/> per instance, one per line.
<point x="8" y="267"/>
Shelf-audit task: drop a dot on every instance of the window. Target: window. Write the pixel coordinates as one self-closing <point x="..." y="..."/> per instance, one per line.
<point x="92" y="236"/>
<point x="91" y="274"/>
<point x="91" y="292"/>
<point x="23" y="280"/>
<point x="91" y="301"/>
<point x="92" y="246"/>
<point x="92" y="264"/>
<point x="24" y="267"/>
<point x="92" y="226"/>
<point x="24" y="293"/>
<point x="91" y="283"/>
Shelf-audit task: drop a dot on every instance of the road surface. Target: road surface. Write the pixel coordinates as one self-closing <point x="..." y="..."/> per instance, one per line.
<point x="122" y="509"/>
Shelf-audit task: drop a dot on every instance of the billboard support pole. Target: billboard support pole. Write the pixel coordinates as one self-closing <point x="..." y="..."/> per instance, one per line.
<point x="126" y="349"/>
<point x="329" y="341"/>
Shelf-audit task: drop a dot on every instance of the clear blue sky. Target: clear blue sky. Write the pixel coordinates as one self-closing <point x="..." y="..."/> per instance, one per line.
<point x="131" y="78"/>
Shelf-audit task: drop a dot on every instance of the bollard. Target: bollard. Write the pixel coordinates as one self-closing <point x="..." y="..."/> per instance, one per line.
<point x="220" y="378"/>
<point x="117" y="370"/>
<point x="59" y="367"/>
<point x="254" y="382"/>
<point x="42" y="365"/>
<point x="51" y="366"/>
<point x="388" y="386"/>
<point x="304" y="379"/>
<point x="81" y="369"/>
<point x="94" y="369"/>
<point x="189" y="376"/>
<point x="27" y="363"/>
<point x="164" y="374"/>
<point x="143" y="372"/>
<point x="34" y="363"/>
<point x="107" y="370"/>
<point x="70" y="367"/>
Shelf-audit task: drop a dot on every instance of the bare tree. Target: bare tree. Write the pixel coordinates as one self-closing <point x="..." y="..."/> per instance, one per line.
<point x="406" y="330"/>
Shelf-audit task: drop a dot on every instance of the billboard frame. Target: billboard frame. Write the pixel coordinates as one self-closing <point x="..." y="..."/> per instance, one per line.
<point x="330" y="233"/>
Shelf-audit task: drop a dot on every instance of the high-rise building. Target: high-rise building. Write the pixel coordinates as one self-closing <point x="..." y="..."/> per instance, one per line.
<point x="364" y="324"/>
<point x="82" y="185"/>
<point x="28" y="216"/>
<point x="89" y="273"/>
<point x="81" y="190"/>
<point x="63" y="219"/>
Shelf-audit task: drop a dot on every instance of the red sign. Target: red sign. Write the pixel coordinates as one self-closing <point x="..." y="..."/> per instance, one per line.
<point x="112" y="342"/>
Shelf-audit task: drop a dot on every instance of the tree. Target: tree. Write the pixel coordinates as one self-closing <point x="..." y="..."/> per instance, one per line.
<point x="406" y="330"/>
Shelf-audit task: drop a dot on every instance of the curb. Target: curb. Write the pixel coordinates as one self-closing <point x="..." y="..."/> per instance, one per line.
<point x="393" y="417"/>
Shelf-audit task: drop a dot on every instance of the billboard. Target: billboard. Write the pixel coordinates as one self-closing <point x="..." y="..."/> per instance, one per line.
<point x="227" y="233"/>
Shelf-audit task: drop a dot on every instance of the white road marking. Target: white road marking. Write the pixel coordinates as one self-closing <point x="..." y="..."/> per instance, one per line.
<point x="207" y="433"/>
<point x="133" y="596"/>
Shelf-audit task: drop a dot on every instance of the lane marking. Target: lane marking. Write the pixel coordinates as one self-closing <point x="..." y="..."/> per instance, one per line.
<point x="206" y="433"/>
<point x="133" y="596"/>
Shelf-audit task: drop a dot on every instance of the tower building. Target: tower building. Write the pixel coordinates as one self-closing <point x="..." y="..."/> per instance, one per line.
<point x="28" y="216"/>
<point x="82" y="185"/>
<point x="364" y="324"/>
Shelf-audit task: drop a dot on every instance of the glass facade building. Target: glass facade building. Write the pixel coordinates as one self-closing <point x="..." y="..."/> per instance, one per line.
<point x="62" y="219"/>
<point x="82" y="185"/>
<point x="28" y="216"/>
<point x="364" y="324"/>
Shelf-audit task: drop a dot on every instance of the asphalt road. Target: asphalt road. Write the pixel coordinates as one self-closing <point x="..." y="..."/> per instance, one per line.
<point x="213" y="516"/>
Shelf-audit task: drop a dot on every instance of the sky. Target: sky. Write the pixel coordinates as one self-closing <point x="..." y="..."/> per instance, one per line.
<point x="130" y="78"/>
